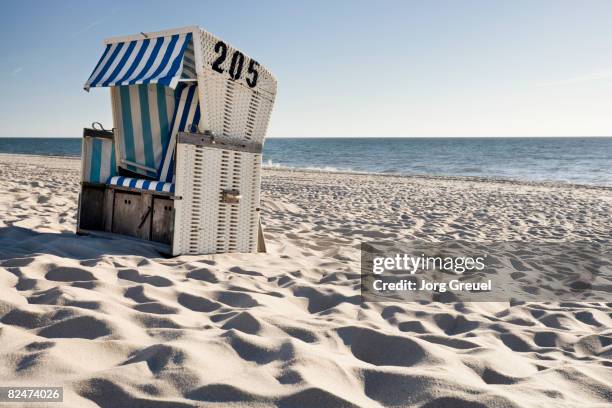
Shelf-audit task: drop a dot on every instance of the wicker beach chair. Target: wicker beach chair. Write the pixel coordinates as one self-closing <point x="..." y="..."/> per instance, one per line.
<point x="181" y="167"/>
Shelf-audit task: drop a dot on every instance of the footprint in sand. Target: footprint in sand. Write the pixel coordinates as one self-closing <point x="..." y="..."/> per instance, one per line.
<point x="134" y="276"/>
<point x="64" y="274"/>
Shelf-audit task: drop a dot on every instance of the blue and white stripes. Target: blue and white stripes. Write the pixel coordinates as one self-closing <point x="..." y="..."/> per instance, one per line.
<point x="141" y="184"/>
<point x="186" y="118"/>
<point x="147" y="61"/>
<point x="98" y="159"/>
<point x="143" y="116"/>
<point x="148" y="113"/>
<point x="189" y="70"/>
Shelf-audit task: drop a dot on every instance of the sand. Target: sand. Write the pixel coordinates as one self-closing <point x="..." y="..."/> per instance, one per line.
<point x="117" y="325"/>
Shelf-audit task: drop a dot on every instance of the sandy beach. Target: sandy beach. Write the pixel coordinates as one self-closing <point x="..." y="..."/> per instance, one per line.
<point x="117" y="325"/>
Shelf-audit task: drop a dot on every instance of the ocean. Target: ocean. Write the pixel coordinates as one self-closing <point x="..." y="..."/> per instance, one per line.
<point x="574" y="160"/>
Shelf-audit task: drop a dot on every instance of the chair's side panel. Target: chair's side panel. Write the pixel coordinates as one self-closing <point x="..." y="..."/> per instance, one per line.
<point x="228" y="213"/>
<point x="205" y="222"/>
<point x="248" y="220"/>
<point x="85" y="159"/>
<point x="98" y="159"/>
<point x="184" y="192"/>
<point x="256" y="233"/>
<point x="210" y="178"/>
<point x="236" y="223"/>
<point x="196" y="213"/>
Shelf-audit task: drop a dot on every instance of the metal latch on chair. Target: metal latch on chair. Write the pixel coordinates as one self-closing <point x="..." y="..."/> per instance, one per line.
<point x="230" y="196"/>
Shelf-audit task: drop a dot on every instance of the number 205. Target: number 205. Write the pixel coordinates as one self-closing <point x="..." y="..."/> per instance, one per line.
<point x="236" y="65"/>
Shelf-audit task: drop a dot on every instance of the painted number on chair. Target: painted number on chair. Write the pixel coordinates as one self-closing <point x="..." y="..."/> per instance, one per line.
<point x="236" y="67"/>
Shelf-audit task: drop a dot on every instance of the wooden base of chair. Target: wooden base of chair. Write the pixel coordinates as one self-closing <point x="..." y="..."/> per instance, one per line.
<point x="144" y="215"/>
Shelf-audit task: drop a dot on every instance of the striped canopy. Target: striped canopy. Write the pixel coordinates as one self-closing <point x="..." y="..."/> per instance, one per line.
<point x="161" y="60"/>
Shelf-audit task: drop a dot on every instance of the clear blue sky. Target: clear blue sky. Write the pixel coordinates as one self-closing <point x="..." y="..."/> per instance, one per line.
<point x="345" y="68"/>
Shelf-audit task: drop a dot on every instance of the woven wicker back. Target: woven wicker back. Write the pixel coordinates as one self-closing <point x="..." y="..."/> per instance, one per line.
<point x="243" y="91"/>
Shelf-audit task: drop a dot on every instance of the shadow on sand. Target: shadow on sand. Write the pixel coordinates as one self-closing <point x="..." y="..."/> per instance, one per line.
<point x="17" y="242"/>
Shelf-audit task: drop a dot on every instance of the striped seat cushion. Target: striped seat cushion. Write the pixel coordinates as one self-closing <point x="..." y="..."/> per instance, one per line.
<point x="141" y="184"/>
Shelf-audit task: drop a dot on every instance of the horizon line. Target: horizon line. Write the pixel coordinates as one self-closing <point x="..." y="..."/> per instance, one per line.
<point x="356" y="137"/>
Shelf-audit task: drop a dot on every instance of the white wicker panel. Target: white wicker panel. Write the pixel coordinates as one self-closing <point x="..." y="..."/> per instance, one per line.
<point x="183" y="207"/>
<point x="223" y="221"/>
<point x="238" y="222"/>
<point x="203" y="223"/>
<point x="248" y="212"/>
<point x="231" y="106"/>
<point x="257" y="122"/>
<point x="197" y="202"/>
<point x="266" y="83"/>
<point x="210" y="176"/>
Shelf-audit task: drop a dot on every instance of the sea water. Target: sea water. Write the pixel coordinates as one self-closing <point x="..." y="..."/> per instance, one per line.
<point x="581" y="160"/>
